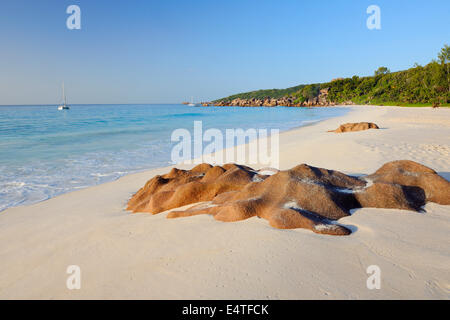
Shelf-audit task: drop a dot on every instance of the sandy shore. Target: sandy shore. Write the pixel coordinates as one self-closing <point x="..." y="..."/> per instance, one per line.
<point x="124" y="255"/>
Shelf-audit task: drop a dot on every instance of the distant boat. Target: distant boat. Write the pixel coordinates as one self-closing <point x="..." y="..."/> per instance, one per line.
<point x="192" y="104"/>
<point x="63" y="106"/>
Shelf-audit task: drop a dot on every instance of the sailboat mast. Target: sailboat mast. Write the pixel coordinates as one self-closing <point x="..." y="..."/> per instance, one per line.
<point x="64" y="94"/>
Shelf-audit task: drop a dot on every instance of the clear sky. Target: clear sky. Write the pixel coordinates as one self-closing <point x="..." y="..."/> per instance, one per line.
<point x="166" y="51"/>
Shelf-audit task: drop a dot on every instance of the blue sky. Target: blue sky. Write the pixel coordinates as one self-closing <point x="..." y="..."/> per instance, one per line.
<point x="167" y="51"/>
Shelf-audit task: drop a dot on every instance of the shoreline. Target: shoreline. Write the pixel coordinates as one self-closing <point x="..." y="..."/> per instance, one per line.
<point x="125" y="255"/>
<point x="131" y="172"/>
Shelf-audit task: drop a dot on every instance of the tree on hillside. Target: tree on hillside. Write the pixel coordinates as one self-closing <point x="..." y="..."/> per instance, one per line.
<point x="444" y="58"/>
<point x="310" y="91"/>
<point x="382" y="70"/>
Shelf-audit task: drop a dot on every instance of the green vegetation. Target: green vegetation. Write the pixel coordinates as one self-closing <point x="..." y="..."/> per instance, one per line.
<point x="418" y="86"/>
<point x="382" y="70"/>
<point x="428" y="84"/>
<point x="444" y="58"/>
<point x="307" y="92"/>
<point x="261" y="94"/>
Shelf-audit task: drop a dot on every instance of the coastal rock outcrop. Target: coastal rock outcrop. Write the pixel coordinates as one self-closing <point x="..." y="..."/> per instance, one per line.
<point x="302" y="197"/>
<point x="288" y="101"/>
<point x="359" y="126"/>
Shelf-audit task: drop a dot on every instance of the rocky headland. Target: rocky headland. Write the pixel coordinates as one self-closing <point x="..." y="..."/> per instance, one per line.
<point x="321" y="100"/>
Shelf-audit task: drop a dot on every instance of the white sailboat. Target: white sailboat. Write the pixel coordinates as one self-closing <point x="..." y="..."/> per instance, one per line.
<point x="192" y="104"/>
<point x="64" y="106"/>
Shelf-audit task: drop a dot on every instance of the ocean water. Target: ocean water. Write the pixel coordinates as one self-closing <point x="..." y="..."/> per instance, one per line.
<point x="45" y="152"/>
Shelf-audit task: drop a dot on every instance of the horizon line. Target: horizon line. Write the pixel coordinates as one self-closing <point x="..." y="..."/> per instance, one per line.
<point x="81" y="104"/>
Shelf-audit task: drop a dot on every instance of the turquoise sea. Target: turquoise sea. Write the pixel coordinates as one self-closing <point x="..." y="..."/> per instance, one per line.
<point x="45" y="152"/>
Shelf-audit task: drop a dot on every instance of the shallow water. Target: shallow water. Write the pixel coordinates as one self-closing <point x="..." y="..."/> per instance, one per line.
<point x="45" y="152"/>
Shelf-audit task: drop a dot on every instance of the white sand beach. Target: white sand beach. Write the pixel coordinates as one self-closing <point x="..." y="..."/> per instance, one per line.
<point x="140" y="256"/>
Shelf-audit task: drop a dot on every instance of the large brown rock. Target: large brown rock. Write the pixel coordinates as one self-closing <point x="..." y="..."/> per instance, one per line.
<point x="349" y="127"/>
<point x="302" y="197"/>
<point x="414" y="176"/>
<point x="182" y="187"/>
